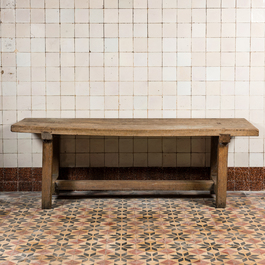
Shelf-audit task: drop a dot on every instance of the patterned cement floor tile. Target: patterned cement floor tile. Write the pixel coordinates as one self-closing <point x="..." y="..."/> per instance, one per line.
<point x="140" y="230"/>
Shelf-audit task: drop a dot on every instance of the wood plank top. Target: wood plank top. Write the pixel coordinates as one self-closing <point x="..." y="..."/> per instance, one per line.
<point x="136" y="127"/>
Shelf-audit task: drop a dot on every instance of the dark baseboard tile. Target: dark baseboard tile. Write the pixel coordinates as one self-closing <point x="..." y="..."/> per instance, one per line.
<point x="29" y="179"/>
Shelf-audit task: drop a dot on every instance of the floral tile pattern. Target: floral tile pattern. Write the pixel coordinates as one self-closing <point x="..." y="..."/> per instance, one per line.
<point x="132" y="230"/>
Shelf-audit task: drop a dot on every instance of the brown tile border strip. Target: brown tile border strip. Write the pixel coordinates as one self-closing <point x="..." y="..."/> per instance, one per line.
<point x="29" y="179"/>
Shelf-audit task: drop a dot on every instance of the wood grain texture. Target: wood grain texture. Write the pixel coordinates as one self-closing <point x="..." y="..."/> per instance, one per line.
<point x="56" y="161"/>
<point x="221" y="187"/>
<point x="224" y="138"/>
<point x="134" y="184"/>
<point x="219" y="129"/>
<point x="137" y="127"/>
<point x="47" y="154"/>
<point x="214" y="144"/>
<point x="46" y="136"/>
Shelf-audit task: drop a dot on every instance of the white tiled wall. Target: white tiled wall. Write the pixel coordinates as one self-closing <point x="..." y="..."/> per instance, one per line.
<point x="133" y="59"/>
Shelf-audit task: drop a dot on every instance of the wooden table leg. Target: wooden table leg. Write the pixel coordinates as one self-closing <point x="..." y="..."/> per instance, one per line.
<point x="55" y="162"/>
<point x="47" y="157"/>
<point x="214" y="145"/>
<point x="222" y="155"/>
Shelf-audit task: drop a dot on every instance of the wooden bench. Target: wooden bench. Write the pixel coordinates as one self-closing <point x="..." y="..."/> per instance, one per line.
<point x="220" y="131"/>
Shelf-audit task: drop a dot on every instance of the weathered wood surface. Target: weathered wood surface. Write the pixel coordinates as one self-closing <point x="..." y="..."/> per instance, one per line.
<point x="46" y="136"/>
<point x="219" y="129"/>
<point x="214" y="143"/>
<point x="55" y="161"/>
<point x="134" y="184"/>
<point x="137" y="127"/>
<point x="47" y="157"/>
<point x="222" y="156"/>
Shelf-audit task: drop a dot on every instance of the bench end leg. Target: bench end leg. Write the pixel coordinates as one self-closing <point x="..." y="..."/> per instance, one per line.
<point x="222" y="156"/>
<point x="47" y="156"/>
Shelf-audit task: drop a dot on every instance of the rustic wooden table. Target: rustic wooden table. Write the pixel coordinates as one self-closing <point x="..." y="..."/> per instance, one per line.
<point x="220" y="131"/>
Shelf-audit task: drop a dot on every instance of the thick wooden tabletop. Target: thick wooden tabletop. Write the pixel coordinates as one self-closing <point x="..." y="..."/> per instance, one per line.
<point x="137" y="127"/>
